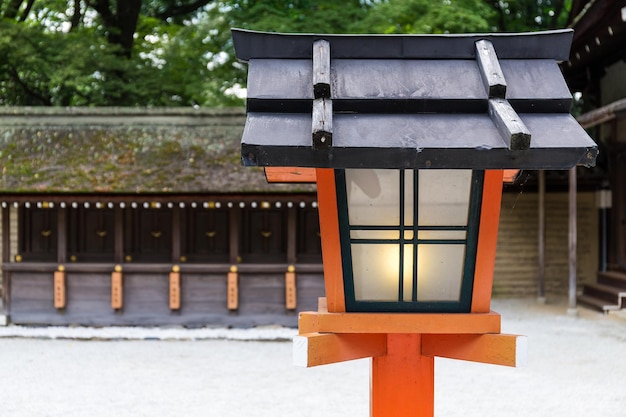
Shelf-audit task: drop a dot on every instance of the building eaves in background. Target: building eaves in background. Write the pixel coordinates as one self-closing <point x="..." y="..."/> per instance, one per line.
<point x="599" y="41"/>
<point x="126" y="151"/>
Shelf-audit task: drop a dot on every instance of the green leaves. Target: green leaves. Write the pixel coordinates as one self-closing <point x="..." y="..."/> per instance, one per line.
<point x="39" y="67"/>
<point x="428" y="16"/>
<point x="63" y="57"/>
<point x="61" y="53"/>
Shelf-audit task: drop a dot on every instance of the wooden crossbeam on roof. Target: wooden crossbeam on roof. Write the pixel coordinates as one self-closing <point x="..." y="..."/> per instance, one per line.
<point x="490" y="70"/>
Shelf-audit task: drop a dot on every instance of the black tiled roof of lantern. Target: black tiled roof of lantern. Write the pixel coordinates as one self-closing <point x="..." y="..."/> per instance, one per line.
<point x="410" y="101"/>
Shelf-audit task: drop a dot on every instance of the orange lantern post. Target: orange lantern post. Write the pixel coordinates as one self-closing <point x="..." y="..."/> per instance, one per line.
<point x="408" y="139"/>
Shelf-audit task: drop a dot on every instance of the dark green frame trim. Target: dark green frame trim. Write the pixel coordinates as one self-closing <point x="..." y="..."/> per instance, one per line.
<point x="465" y="301"/>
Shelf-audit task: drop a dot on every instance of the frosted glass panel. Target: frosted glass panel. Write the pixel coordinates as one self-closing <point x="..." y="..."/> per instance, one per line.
<point x="375" y="234"/>
<point x="374" y="196"/>
<point x="440" y="272"/>
<point x="408" y="272"/>
<point x="444" y="197"/>
<point x="376" y="271"/>
<point x="378" y="238"/>
<point x="409" y="190"/>
<point x="442" y="234"/>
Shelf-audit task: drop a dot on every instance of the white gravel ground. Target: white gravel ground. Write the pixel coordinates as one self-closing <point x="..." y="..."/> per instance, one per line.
<point x="577" y="367"/>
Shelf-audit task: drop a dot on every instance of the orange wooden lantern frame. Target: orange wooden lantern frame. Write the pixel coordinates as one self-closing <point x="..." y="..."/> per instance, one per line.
<point x="402" y="345"/>
<point x="331" y="245"/>
<point x="485" y="254"/>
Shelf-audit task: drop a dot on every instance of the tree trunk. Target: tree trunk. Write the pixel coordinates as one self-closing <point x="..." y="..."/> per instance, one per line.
<point x="12" y="8"/>
<point x="127" y="18"/>
<point x="76" y="16"/>
<point x="183" y="9"/>
<point x="26" y="11"/>
<point x="121" y="25"/>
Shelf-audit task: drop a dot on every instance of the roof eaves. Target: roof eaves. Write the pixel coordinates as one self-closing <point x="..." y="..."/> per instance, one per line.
<point x="410" y="102"/>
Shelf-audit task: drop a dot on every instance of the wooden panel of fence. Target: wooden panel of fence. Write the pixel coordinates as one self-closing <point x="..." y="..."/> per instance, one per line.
<point x="146" y="295"/>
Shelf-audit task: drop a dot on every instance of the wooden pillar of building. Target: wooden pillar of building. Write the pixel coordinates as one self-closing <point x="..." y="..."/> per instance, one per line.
<point x="61" y="235"/>
<point x="59" y="277"/>
<point x="118" y="244"/>
<point x="117" y="283"/>
<point x="176" y="234"/>
<point x="541" y="243"/>
<point x="291" y="295"/>
<point x="232" y="277"/>
<point x="571" y="307"/>
<point x="174" y="282"/>
<point x="6" y="258"/>
<point x="234" y="220"/>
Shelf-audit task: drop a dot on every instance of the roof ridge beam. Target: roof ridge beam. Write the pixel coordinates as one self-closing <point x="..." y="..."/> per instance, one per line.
<point x="490" y="70"/>
<point x="553" y="44"/>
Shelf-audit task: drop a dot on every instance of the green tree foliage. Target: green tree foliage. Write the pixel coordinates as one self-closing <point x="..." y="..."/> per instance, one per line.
<point x="530" y="15"/>
<point x="179" y="52"/>
<point x="457" y="16"/>
<point x="296" y="16"/>
<point x="429" y="16"/>
<point x="98" y="52"/>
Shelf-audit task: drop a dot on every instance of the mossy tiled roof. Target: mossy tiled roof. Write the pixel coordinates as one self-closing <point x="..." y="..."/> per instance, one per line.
<point x="126" y="150"/>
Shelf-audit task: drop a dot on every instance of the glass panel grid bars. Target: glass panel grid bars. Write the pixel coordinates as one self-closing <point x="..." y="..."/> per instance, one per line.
<point x="408" y="238"/>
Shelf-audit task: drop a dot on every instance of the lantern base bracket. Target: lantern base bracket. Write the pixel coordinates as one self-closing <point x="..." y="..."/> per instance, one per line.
<point x="424" y="323"/>
<point x="314" y="349"/>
